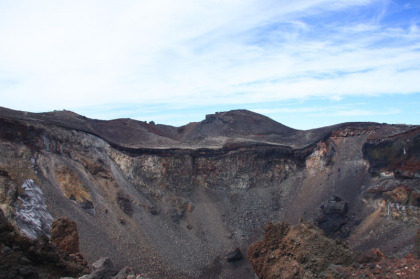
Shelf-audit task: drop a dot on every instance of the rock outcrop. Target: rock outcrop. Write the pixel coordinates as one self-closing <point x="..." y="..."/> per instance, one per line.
<point x="396" y="154"/>
<point x="235" y="255"/>
<point x="101" y="269"/>
<point x="22" y="257"/>
<point x="64" y="235"/>
<point x="333" y="218"/>
<point x="32" y="214"/>
<point x="300" y="251"/>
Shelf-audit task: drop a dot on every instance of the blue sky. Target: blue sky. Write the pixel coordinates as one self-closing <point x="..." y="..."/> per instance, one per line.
<point x="304" y="63"/>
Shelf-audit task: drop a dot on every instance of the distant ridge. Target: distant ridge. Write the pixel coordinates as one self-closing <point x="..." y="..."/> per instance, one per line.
<point x="235" y="127"/>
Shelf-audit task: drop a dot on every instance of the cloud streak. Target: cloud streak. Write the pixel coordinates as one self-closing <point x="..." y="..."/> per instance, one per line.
<point x="79" y="54"/>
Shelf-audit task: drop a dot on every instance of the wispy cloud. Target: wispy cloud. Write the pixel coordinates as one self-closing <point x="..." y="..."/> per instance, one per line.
<point x="360" y="112"/>
<point x="352" y="109"/>
<point x="80" y="54"/>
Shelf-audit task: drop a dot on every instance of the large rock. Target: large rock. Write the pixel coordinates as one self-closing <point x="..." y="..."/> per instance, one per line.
<point x="22" y="257"/>
<point x="125" y="273"/>
<point x="102" y="269"/>
<point x="64" y="235"/>
<point x="333" y="218"/>
<point x="235" y="255"/>
<point x="300" y="251"/>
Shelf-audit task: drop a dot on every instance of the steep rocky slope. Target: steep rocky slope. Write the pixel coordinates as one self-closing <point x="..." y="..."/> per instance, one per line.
<point x="175" y="201"/>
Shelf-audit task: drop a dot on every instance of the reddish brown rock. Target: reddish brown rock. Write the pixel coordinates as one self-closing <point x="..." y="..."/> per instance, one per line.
<point x="300" y="251"/>
<point x="64" y="235"/>
<point x="401" y="194"/>
<point x="370" y="256"/>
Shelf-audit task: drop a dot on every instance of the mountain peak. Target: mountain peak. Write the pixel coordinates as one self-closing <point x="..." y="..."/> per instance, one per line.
<point x="244" y="122"/>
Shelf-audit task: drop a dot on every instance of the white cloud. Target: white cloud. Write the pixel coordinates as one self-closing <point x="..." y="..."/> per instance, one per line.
<point x="361" y="112"/>
<point x="74" y="54"/>
<point x="346" y="111"/>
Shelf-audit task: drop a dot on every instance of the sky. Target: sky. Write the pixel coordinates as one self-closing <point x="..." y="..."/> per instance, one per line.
<point x="303" y="63"/>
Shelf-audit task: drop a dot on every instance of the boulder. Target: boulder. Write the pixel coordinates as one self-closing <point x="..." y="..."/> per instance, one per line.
<point x="102" y="269"/>
<point x="234" y="256"/>
<point x="124" y="203"/>
<point x="125" y="273"/>
<point x="300" y="251"/>
<point x="333" y="218"/>
<point x="64" y="235"/>
<point x="370" y="256"/>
